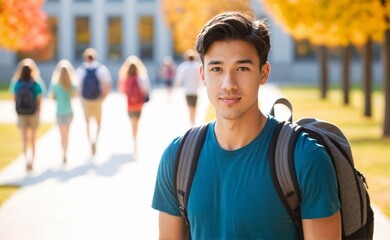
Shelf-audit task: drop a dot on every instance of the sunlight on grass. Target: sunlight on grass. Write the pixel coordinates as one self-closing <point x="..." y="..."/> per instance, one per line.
<point x="6" y="192"/>
<point x="10" y="148"/>
<point x="4" y="93"/>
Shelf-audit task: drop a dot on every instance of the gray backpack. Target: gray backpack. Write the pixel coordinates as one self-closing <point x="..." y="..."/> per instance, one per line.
<point x="356" y="211"/>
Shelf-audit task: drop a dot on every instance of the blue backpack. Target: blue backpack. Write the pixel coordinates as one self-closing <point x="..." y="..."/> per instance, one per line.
<point x="91" y="84"/>
<point x="25" y="101"/>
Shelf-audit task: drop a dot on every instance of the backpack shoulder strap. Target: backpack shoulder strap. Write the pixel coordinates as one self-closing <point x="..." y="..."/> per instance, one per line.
<point x="185" y="164"/>
<point x="282" y="169"/>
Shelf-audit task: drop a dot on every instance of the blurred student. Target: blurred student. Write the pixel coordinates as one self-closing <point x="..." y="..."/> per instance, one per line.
<point x="94" y="85"/>
<point x="188" y="77"/>
<point x="35" y="74"/>
<point x="62" y="89"/>
<point x="167" y="73"/>
<point x="134" y="83"/>
<point x="28" y="96"/>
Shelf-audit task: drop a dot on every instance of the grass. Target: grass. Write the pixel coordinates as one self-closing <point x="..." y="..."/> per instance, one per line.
<point x="10" y="148"/>
<point x="370" y="150"/>
<point x="4" y="93"/>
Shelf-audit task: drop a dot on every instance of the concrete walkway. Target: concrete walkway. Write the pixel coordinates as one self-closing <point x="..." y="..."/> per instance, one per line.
<point x="107" y="196"/>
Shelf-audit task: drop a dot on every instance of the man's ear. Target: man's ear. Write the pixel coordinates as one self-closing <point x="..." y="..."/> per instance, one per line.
<point x="264" y="73"/>
<point x="202" y="74"/>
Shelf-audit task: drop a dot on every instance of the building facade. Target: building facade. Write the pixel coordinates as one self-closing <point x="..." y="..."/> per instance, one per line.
<point x="119" y="28"/>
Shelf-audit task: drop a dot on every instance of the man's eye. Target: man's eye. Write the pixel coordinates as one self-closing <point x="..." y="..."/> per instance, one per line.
<point x="243" y="69"/>
<point x="215" y="69"/>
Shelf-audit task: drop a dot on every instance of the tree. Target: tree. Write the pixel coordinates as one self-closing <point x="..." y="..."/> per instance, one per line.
<point x="23" y="25"/>
<point x="187" y="17"/>
<point x="340" y="22"/>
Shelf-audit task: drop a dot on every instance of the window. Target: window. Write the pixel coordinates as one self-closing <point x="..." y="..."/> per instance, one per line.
<point x="82" y="35"/>
<point x="114" y="38"/>
<point x="146" y="33"/>
<point x="304" y="50"/>
<point x="48" y="52"/>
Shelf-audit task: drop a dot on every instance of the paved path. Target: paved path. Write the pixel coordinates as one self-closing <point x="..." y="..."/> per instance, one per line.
<point x="107" y="196"/>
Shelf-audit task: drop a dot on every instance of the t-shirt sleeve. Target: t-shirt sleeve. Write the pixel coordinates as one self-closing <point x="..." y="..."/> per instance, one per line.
<point x="37" y="89"/>
<point x="164" y="198"/>
<point x="317" y="180"/>
<point x="104" y="74"/>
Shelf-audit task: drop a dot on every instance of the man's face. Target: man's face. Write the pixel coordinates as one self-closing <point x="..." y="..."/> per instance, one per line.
<point x="232" y="76"/>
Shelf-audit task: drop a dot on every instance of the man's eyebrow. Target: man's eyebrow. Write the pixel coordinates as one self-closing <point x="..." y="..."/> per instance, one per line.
<point x="245" y="61"/>
<point x="214" y="62"/>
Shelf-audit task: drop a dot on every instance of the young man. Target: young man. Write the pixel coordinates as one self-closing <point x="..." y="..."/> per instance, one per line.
<point x="232" y="194"/>
<point x="95" y="84"/>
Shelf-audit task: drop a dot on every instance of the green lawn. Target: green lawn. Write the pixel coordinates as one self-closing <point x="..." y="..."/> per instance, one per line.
<point x="370" y="150"/>
<point x="4" y="93"/>
<point x="10" y="148"/>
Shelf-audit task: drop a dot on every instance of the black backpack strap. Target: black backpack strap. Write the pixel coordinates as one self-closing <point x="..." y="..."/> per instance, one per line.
<point x="283" y="173"/>
<point x="286" y="103"/>
<point x="186" y="162"/>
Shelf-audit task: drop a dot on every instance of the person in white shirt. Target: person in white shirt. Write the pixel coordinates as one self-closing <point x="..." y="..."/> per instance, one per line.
<point x="188" y="77"/>
<point x="95" y="84"/>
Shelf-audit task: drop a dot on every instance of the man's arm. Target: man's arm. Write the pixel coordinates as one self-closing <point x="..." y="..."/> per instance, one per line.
<point x="172" y="227"/>
<point x="328" y="228"/>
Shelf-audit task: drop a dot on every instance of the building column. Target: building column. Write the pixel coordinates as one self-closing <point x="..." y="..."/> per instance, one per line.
<point x="163" y="36"/>
<point x="66" y="32"/>
<point x="99" y="29"/>
<point x="130" y="28"/>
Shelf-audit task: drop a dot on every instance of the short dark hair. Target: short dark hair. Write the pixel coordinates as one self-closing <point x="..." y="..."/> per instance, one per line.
<point x="235" y="26"/>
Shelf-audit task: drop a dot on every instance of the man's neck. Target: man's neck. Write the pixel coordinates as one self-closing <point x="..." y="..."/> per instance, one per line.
<point x="235" y="134"/>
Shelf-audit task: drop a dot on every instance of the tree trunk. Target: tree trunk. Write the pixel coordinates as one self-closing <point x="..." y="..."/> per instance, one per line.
<point x="386" y="85"/>
<point x="323" y="59"/>
<point x="346" y="73"/>
<point x="367" y="77"/>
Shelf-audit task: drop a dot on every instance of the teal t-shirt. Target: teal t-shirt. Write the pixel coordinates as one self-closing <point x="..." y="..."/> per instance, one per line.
<point x="232" y="194"/>
<point x="63" y="98"/>
<point x="36" y="88"/>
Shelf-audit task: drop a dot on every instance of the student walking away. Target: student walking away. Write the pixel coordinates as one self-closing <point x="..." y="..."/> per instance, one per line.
<point x="94" y="85"/>
<point x="62" y="89"/>
<point x="28" y="95"/>
<point x="35" y="74"/>
<point x="134" y="83"/>
<point x="188" y="77"/>
<point x="232" y="195"/>
<point x="167" y="73"/>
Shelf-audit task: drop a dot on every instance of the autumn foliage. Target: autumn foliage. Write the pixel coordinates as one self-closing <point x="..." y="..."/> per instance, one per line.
<point x="23" y="25"/>
<point x="187" y="17"/>
<point x="331" y="22"/>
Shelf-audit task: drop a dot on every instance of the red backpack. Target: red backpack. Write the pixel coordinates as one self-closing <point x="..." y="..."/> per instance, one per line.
<point x="134" y="92"/>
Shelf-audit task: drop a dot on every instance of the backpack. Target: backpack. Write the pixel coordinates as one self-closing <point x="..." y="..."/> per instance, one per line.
<point x="356" y="212"/>
<point x="25" y="101"/>
<point x="91" y="84"/>
<point x="134" y="92"/>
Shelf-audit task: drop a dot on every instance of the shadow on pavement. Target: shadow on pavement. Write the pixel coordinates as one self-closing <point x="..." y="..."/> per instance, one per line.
<point x="107" y="169"/>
